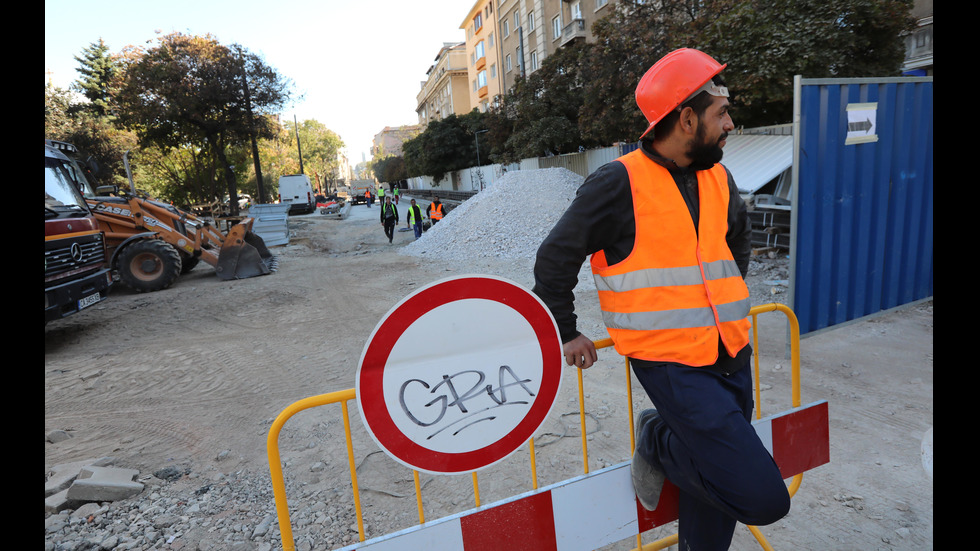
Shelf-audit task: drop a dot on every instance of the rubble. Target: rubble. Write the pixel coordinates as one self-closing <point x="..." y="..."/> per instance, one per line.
<point x="71" y="485"/>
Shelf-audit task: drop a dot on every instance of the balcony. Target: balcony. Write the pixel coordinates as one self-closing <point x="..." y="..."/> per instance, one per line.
<point x="573" y="31"/>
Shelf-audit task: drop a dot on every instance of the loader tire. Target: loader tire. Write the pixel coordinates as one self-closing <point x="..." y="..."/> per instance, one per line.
<point x="187" y="263"/>
<point x="149" y="265"/>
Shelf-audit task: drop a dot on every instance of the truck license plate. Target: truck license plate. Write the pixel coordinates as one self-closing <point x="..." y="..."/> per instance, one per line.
<point x="89" y="301"/>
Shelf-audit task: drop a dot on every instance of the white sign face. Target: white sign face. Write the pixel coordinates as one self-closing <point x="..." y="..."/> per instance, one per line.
<point x="862" y="125"/>
<point x="459" y="374"/>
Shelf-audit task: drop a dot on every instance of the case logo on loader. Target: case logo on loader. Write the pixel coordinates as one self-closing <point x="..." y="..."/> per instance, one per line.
<point x="102" y="207"/>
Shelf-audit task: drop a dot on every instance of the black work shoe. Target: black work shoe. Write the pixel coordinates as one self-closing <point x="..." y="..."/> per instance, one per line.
<point x="648" y="481"/>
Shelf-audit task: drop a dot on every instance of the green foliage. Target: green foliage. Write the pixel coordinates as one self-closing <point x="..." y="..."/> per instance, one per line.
<point x="766" y="43"/>
<point x="320" y="146"/>
<point x="190" y="90"/>
<point x="94" y="135"/>
<point x="390" y="169"/>
<point x="545" y="107"/>
<point x="445" y="145"/>
<point x="98" y="71"/>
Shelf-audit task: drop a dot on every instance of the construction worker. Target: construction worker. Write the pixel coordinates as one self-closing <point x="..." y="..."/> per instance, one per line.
<point x="414" y="219"/>
<point x="669" y="239"/>
<point x="434" y="210"/>
<point x="389" y="218"/>
<point x="381" y="194"/>
<point x="394" y="191"/>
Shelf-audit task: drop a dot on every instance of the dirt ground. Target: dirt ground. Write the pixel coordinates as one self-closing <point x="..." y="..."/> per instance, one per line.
<point x="195" y="374"/>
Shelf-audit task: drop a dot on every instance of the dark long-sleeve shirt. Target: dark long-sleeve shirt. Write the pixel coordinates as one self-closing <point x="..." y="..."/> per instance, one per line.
<point x="389" y="210"/>
<point x="601" y="218"/>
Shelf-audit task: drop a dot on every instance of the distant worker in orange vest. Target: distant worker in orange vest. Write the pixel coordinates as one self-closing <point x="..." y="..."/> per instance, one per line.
<point x="669" y="240"/>
<point x="434" y="211"/>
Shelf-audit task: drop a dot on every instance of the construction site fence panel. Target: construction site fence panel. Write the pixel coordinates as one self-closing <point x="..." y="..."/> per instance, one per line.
<point x="584" y="512"/>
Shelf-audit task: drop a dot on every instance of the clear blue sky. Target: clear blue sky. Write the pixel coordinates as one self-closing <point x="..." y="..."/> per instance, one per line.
<point x="357" y="64"/>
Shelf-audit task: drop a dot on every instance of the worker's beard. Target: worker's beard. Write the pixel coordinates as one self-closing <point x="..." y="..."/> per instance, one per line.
<point x="703" y="154"/>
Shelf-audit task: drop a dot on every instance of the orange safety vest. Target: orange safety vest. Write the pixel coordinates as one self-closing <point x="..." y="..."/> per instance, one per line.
<point x="678" y="290"/>
<point x="436" y="212"/>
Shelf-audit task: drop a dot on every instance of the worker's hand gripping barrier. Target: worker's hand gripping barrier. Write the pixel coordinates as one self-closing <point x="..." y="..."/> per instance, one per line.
<point x="585" y="512"/>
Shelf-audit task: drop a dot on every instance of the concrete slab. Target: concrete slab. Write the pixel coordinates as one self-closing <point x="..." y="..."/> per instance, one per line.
<point x="60" y="477"/>
<point x="104" y="484"/>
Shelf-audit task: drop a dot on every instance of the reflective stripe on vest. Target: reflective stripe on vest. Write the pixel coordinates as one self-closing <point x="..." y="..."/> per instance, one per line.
<point x="671" y="299"/>
<point x="436" y="212"/>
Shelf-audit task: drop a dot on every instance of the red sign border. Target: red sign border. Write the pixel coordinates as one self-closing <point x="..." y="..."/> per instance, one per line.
<point x="374" y="410"/>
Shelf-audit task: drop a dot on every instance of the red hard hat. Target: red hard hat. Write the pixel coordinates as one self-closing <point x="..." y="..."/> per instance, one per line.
<point x="672" y="81"/>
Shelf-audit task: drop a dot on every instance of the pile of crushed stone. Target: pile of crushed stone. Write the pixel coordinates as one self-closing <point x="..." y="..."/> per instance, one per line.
<point x="507" y="220"/>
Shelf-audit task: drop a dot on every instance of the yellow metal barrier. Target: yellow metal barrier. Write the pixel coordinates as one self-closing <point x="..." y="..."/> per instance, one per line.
<point x="344" y="396"/>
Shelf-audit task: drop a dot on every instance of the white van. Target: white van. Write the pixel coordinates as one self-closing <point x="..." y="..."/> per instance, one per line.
<point x="297" y="191"/>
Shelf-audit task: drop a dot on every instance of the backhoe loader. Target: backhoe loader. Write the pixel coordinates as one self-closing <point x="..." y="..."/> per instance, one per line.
<point x="151" y="242"/>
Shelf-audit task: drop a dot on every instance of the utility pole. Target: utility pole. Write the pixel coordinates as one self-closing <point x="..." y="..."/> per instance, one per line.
<point x="298" y="149"/>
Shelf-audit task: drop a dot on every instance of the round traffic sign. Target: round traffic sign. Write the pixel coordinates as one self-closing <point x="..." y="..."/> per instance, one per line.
<point x="459" y="374"/>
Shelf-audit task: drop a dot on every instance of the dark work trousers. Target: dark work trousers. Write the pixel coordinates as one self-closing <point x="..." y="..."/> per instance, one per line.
<point x="390" y="228"/>
<point x="705" y="443"/>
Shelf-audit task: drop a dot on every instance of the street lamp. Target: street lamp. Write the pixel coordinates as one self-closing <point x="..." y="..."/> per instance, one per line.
<point x="477" y="136"/>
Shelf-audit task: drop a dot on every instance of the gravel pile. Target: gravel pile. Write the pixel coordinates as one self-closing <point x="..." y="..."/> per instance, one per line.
<point x="508" y="220"/>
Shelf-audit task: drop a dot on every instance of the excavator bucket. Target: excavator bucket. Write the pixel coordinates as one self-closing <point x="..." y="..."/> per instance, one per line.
<point x="244" y="254"/>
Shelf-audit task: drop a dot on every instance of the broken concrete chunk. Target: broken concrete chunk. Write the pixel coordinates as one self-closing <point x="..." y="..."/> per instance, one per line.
<point x="59" y="477"/>
<point x="104" y="484"/>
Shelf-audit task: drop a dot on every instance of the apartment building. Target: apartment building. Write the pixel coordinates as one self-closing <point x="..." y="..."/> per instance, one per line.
<point x="531" y="30"/>
<point x="483" y="64"/>
<point x="389" y="141"/>
<point x="446" y="88"/>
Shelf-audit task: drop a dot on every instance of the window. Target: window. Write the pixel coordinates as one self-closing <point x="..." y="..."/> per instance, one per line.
<point x="530" y="21"/>
<point x="493" y="70"/>
<point x="481" y="79"/>
<point x="506" y="29"/>
<point x="490" y="40"/>
<point x="576" y="10"/>
<point x="478" y="22"/>
<point x="556" y="27"/>
<point x="534" y="60"/>
<point x="480" y="52"/>
<point x="600" y="3"/>
<point x="508" y="66"/>
<point x="517" y="20"/>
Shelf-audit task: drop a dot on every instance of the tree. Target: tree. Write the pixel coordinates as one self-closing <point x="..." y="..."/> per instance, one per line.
<point x="545" y="107"/>
<point x="66" y="119"/>
<point x="187" y="90"/>
<point x="445" y="145"/>
<point x="766" y="43"/>
<point x="321" y="149"/>
<point x="627" y="42"/>
<point x="98" y="70"/>
<point x="390" y="169"/>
